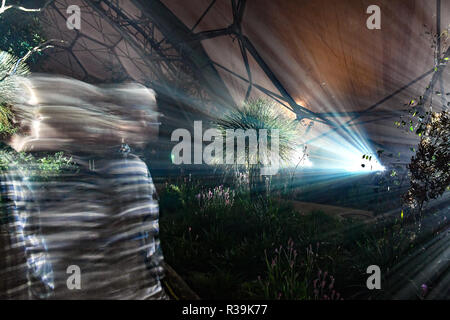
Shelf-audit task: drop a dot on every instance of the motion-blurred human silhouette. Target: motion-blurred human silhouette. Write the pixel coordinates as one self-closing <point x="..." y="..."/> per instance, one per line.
<point x="101" y="215"/>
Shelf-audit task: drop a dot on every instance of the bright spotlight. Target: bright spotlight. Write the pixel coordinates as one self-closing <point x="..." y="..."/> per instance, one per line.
<point x="347" y="154"/>
<point x="362" y="164"/>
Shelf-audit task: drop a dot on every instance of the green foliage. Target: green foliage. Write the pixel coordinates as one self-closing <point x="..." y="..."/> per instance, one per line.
<point x="7" y="126"/>
<point x="233" y="251"/>
<point x="54" y="164"/>
<point x="385" y="248"/>
<point x="219" y="239"/>
<point x="217" y="197"/>
<point x="35" y="168"/>
<point x="285" y="279"/>
<point x="176" y="196"/>
<point x="10" y="63"/>
<point x="430" y="167"/>
<point x="21" y="31"/>
<point x="20" y="34"/>
<point x="8" y="87"/>
<point x="172" y="198"/>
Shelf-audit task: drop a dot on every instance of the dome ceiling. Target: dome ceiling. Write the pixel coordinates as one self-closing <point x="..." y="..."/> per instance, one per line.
<point x="316" y="59"/>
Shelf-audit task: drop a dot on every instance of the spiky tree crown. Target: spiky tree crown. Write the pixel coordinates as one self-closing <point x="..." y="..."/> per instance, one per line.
<point x="260" y="114"/>
<point x="10" y="69"/>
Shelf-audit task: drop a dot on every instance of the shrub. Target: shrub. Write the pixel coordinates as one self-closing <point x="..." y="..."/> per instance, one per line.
<point x="21" y="31"/>
<point x="9" y="64"/>
<point x="430" y="167"/>
<point x="216" y="198"/>
<point x="36" y="168"/>
<point x="284" y="279"/>
<point x="7" y="125"/>
<point x="323" y="287"/>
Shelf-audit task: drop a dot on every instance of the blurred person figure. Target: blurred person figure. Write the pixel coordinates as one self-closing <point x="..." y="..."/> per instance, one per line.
<point x="102" y="216"/>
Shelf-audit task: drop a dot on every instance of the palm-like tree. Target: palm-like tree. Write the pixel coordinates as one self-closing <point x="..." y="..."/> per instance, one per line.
<point x="260" y="114"/>
<point x="10" y="67"/>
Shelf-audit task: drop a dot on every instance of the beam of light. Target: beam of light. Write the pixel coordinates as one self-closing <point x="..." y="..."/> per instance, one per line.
<point x="360" y="164"/>
<point x="348" y="153"/>
<point x="301" y="159"/>
<point x="36" y="125"/>
<point x="32" y="98"/>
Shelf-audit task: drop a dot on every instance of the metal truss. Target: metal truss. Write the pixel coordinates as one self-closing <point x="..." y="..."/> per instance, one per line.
<point x="234" y="30"/>
<point x="113" y="40"/>
<point x="172" y="58"/>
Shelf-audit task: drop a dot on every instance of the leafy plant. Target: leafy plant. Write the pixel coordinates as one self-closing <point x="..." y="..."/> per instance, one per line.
<point x="220" y="250"/>
<point x="323" y="287"/>
<point x="259" y="114"/>
<point x="430" y="167"/>
<point x="7" y="125"/>
<point x="284" y="279"/>
<point x="384" y="249"/>
<point x="9" y="65"/>
<point x="217" y="197"/>
<point x="36" y="168"/>
<point x="21" y="31"/>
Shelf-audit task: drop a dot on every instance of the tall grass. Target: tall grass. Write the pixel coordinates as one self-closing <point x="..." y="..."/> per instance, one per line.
<point x="261" y="248"/>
